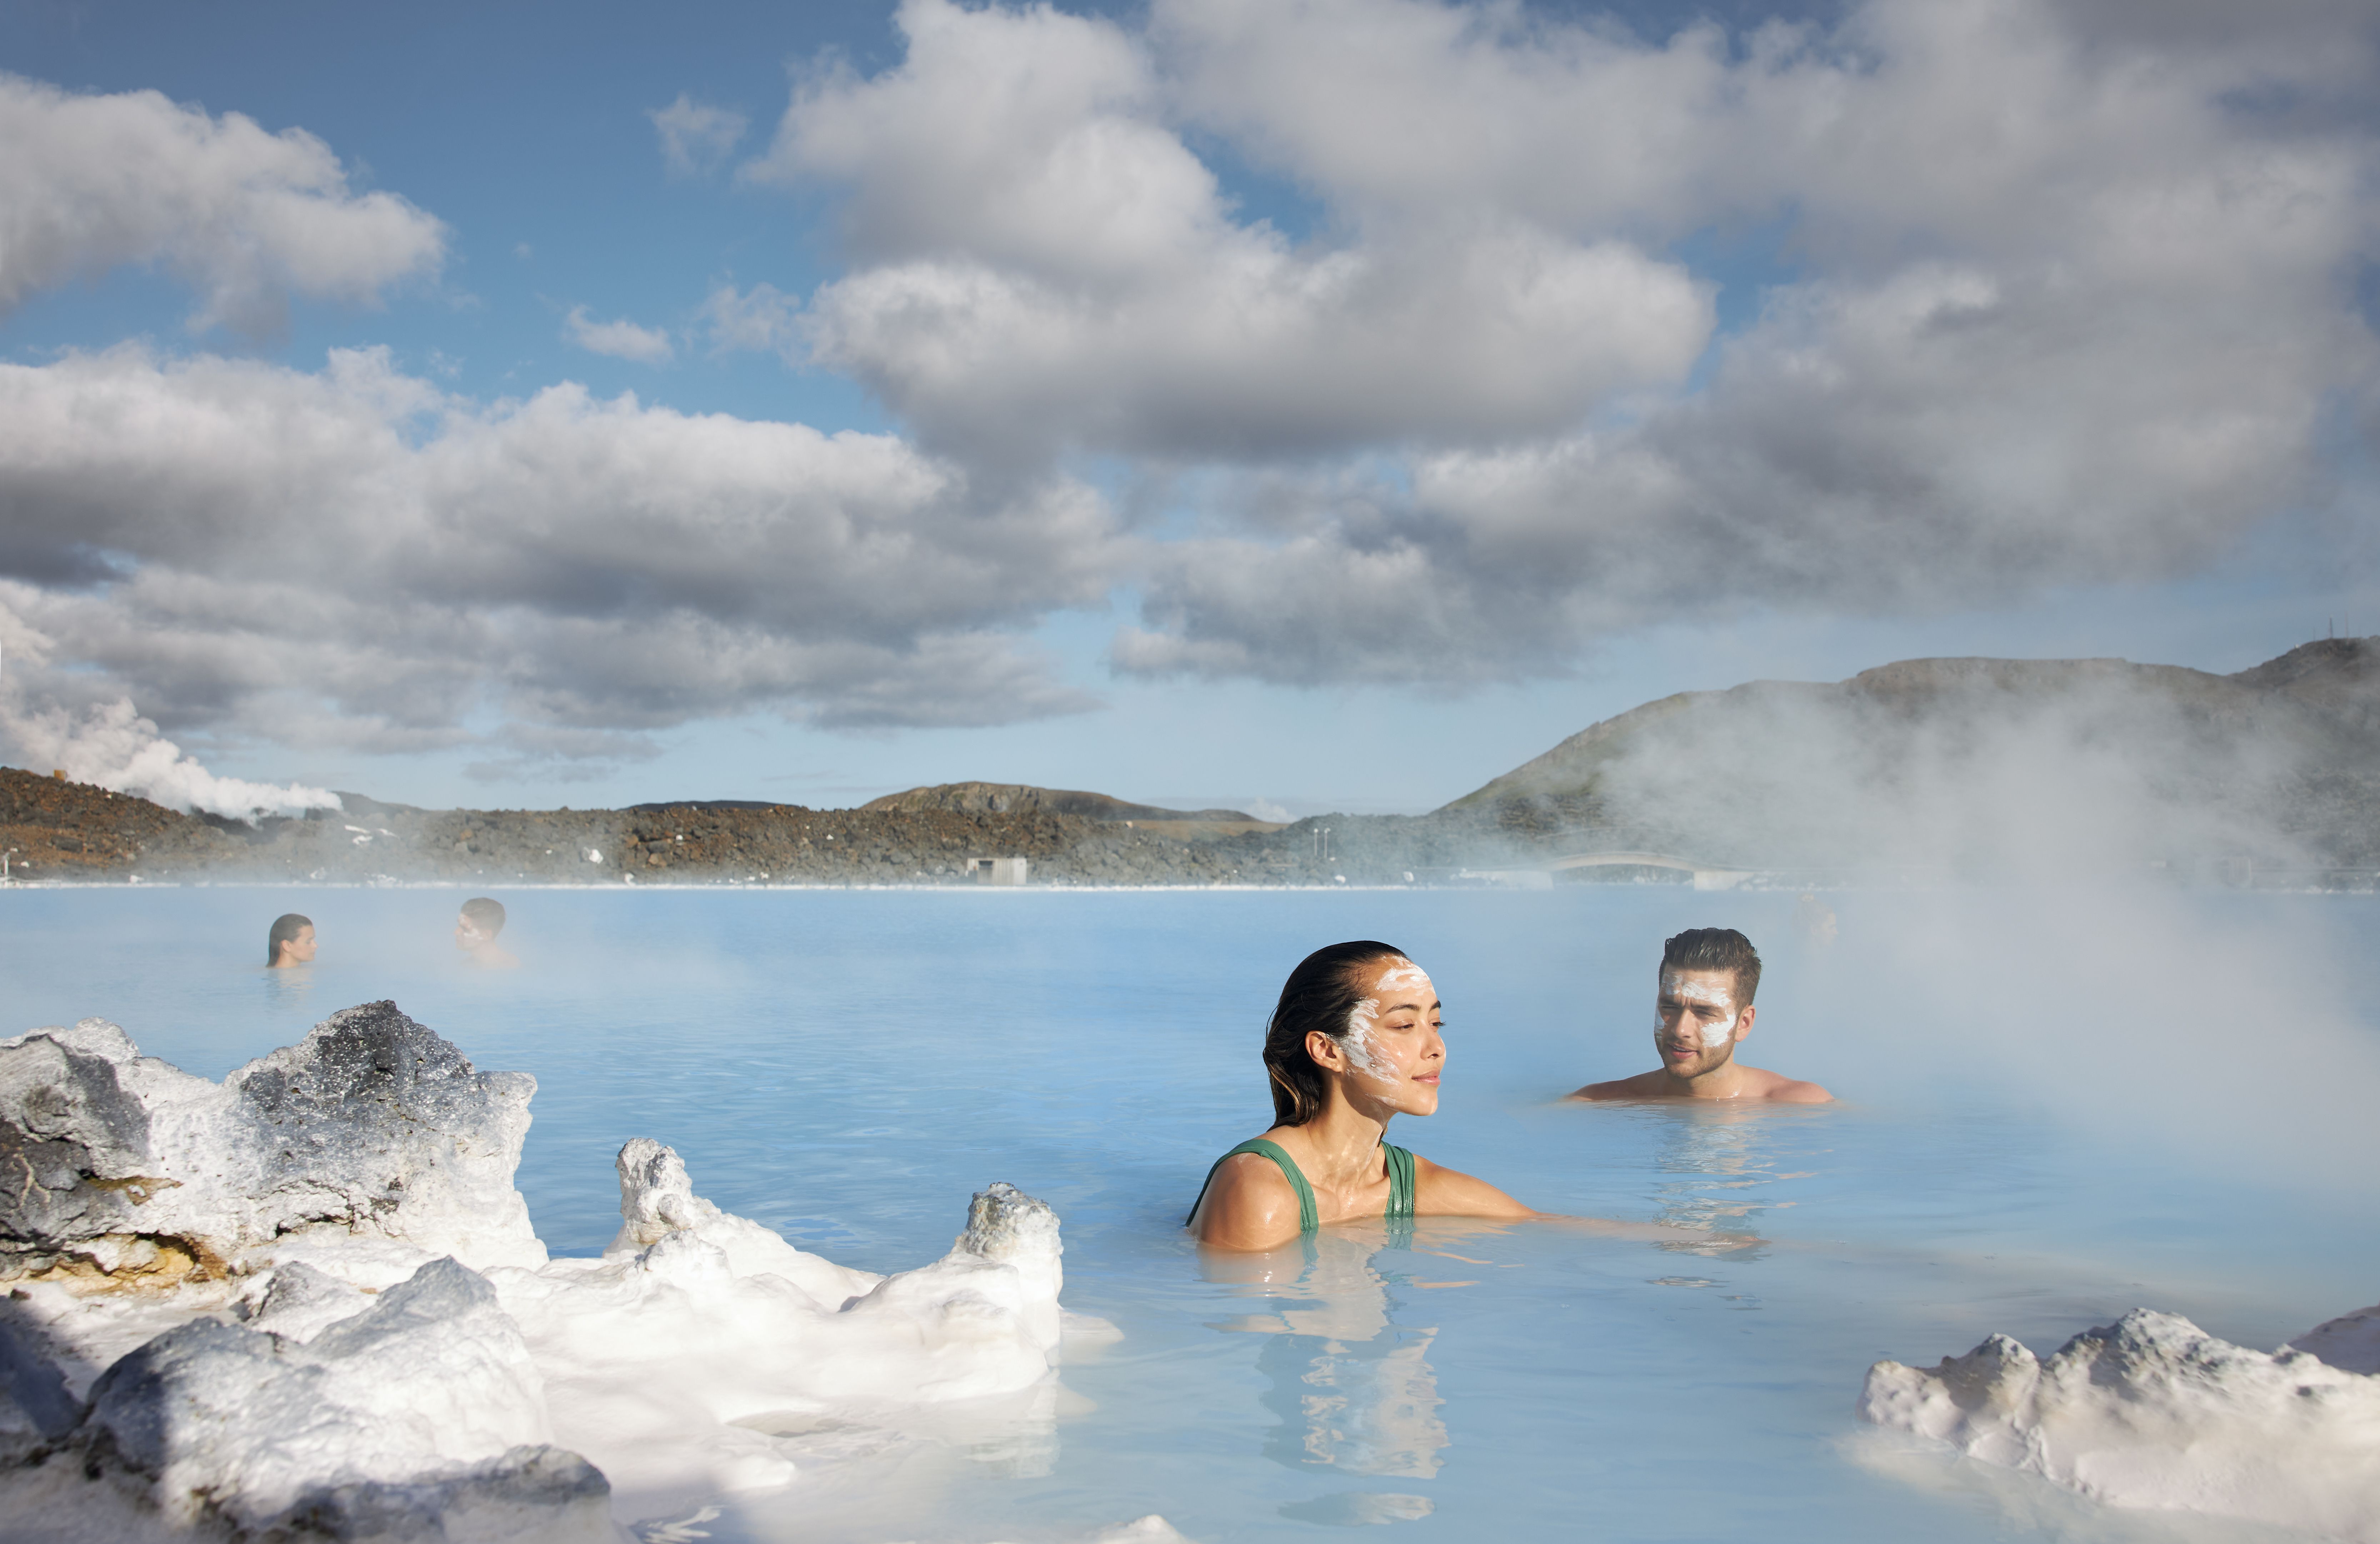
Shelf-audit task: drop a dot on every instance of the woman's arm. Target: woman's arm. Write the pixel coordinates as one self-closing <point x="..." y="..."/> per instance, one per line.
<point x="1442" y="1192"/>
<point x="1248" y="1206"/>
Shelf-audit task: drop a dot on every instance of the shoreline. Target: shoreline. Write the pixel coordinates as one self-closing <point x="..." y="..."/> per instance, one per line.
<point x="54" y="833"/>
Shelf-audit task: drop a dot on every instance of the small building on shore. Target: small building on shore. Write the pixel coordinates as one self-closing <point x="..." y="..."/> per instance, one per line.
<point x="996" y="870"/>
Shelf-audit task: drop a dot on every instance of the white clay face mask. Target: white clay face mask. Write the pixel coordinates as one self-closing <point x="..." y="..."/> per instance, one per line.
<point x="1714" y="1035"/>
<point x="1363" y="1052"/>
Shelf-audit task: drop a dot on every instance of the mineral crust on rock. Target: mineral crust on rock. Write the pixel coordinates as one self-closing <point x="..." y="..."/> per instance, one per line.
<point x="697" y="1324"/>
<point x="35" y="1406"/>
<point x="130" y="1171"/>
<point x="2153" y="1412"/>
<point x="402" y="1422"/>
<point x="249" y="1310"/>
<point x="2350" y="1343"/>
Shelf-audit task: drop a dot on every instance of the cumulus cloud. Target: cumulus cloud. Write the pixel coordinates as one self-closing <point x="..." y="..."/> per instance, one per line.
<point x="2074" y="303"/>
<point x="622" y="339"/>
<point x="1040" y="263"/>
<point x="245" y="217"/>
<point x="2053" y="293"/>
<point x="351" y="557"/>
<point x="762" y="318"/>
<point x="695" y="137"/>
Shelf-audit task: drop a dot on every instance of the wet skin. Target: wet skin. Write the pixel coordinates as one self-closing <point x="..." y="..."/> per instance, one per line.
<point x="293" y="951"/>
<point x="1389" y="1066"/>
<point x="1696" y="1026"/>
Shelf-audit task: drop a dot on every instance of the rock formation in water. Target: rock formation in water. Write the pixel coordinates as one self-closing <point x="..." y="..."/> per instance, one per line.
<point x="126" y="1165"/>
<point x="2350" y="1343"/>
<point x="251" y="1308"/>
<point x="2153" y="1412"/>
<point x="419" y="1417"/>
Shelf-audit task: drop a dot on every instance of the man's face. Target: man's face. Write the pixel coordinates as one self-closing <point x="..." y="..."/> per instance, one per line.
<point x="1696" y="1021"/>
<point x="468" y="935"/>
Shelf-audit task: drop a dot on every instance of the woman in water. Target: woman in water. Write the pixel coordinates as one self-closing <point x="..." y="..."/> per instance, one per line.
<point x="289" y="942"/>
<point x="1353" y="1041"/>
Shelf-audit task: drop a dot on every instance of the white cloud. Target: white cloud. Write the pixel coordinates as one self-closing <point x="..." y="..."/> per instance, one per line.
<point x="2059" y="295"/>
<point x="695" y="136"/>
<point x="352" y="557"/>
<point x="1043" y="263"/>
<point x="763" y="319"/>
<point x="621" y="340"/>
<point x="245" y="218"/>
<point x="2072" y="308"/>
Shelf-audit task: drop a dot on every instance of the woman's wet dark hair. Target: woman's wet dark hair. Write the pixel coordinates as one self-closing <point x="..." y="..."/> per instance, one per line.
<point x="1321" y="994"/>
<point x="284" y="929"/>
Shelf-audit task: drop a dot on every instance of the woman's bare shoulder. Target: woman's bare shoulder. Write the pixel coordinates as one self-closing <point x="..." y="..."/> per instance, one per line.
<point x="1249" y="1203"/>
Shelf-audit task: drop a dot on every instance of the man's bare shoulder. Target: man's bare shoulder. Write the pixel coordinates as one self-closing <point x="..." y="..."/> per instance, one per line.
<point x="1645" y="1085"/>
<point x="1778" y="1089"/>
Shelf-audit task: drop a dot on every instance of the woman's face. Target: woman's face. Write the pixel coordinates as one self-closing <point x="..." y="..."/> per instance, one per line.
<point x="1392" y="1048"/>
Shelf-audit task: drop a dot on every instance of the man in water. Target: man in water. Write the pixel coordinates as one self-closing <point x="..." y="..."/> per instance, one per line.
<point x="1707" y="978"/>
<point x="291" y="943"/>
<point x="475" y="930"/>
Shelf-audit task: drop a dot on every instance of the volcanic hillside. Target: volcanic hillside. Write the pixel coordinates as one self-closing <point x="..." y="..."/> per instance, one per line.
<point x="1982" y="763"/>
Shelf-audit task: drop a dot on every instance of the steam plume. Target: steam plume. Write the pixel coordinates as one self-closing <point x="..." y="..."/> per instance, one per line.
<point x="114" y="748"/>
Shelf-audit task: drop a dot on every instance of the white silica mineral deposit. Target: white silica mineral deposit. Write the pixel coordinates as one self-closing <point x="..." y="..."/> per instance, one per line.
<point x="2152" y="1412"/>
<point x="307" y="1301"/>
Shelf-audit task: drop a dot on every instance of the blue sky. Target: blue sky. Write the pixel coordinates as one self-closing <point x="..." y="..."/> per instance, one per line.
<point x="1331" y="403"/>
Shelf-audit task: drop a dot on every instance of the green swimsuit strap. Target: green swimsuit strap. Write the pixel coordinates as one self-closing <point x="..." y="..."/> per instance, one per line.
<point x="1400" y="1180"/>
<point x="1308" y="1219"/>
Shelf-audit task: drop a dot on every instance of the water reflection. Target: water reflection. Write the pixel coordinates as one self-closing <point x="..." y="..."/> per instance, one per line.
<point x="1719" y="1161"/>
<point x="1352" y="1389"/>
<point x="290" y="987"/>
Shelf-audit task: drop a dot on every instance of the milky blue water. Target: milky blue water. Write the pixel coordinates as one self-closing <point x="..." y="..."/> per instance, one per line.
<point x="2055" y="1109"/>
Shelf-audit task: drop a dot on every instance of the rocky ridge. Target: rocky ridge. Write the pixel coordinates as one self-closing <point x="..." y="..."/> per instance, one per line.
<point x="53" y="829"/>
<point x="1983" y="765"/>
<point x="1933" y="766"/>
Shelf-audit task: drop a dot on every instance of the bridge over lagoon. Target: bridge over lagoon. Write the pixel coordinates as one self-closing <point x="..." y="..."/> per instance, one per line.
<point x="2226" y="873"/>
<point x="1540" y="874"/>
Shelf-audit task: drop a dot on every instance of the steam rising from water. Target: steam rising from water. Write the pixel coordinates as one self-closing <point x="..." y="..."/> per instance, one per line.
<point x="2224" y="1036"/>
<point x="1999" y="769"/>
<point x="114" y="748"/>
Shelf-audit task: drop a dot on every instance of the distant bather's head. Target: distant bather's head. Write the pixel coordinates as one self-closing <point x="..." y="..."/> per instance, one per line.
<point x="481" y="920"/>
<point x="1360" y="1015"/>
<point x="291" y="942"/>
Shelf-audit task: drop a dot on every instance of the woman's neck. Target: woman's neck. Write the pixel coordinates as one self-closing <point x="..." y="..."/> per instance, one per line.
<point x="1345" y="1141"/>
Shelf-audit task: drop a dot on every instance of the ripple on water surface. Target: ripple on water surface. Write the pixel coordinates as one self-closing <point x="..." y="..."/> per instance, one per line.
<point x="2055" y="1109"/>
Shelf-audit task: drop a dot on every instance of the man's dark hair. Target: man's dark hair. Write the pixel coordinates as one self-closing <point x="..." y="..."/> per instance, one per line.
<point x="1716" y="949"/>
<point x="286" y="928"/>
<point x="486" y="914"/>
<point x="1320" y="994"/>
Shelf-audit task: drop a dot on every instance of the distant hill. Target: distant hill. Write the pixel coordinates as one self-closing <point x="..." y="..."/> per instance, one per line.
<point x="1004" y="798"/>
<point x="1981" y="763"/>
